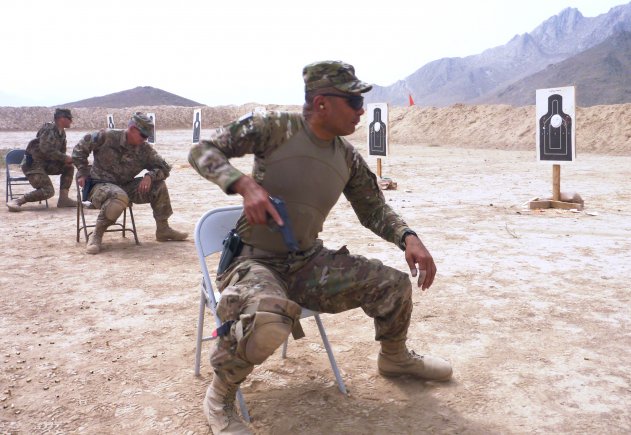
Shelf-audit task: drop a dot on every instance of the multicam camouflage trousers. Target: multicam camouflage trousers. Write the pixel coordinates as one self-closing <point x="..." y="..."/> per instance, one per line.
<point x="157" y="196"/>
<point x="319" y="279"/>
<point x="38" y="176"/>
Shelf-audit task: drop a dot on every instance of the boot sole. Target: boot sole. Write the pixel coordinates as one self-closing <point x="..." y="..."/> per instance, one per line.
<point x="399" y="374"/>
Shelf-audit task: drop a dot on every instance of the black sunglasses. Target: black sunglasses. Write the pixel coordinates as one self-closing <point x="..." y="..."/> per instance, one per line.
<point x="142" y="135"/>
<point x="355" y="102"/>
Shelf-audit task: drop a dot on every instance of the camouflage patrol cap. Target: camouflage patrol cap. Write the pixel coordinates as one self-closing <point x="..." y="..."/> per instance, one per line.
<point x="63" y="113"/>
<point x="335" y="74"/>
<point x="142" y="122"/>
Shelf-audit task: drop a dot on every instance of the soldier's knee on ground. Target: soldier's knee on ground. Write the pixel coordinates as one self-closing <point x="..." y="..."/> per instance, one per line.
<point x="272" y="323"/>
<point x="113" y="208"/>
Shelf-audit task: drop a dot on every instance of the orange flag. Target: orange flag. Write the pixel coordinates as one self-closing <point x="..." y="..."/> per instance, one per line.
<point x="411" y="100"/>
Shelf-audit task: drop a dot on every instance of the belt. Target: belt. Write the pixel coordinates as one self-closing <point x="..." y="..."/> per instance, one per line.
<point x="252" y="251"/>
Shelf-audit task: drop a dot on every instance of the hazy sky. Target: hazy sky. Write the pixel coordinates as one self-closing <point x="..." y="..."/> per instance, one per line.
<point x="232" y="52"/>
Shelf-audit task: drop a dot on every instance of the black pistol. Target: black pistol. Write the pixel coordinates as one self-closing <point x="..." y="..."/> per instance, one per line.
<point x="85" y="190"/>
<point x="285" y="230"/>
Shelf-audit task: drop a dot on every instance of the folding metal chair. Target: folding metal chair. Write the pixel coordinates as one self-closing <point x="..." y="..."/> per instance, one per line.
<point x="116" y="227"/>
<point x="14" y="157"/>
<point x="210" y="231"/>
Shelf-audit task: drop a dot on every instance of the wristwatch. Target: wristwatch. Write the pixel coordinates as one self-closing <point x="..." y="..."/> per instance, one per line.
<point x="405" y="234"/>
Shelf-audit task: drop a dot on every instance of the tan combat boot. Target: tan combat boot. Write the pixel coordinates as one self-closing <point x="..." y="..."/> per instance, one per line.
<point x="396" y="360"/>
<point x="164" y="232"/>
<point x="96" y="238"/>
<point x="64" y="201"/>
<point x="220" y="411"/>
<point x="15" y="204"/>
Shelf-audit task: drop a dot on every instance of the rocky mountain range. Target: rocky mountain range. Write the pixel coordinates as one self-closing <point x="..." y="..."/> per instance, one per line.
<point x="601" y="74"/>
<point x="487" y="77"/>
<point x="138" y="96"/>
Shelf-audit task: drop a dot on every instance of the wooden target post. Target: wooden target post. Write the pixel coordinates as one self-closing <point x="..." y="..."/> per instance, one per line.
<point x="555" y="202"/>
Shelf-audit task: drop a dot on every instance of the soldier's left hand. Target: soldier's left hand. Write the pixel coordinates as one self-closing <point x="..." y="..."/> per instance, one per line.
<point x="145" y="184"/>
<point x="416" y="254"/>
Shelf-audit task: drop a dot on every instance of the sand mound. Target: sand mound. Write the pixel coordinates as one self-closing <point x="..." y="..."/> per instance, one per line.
<point x="600" y="129"/>
<point x="168" y="117"/>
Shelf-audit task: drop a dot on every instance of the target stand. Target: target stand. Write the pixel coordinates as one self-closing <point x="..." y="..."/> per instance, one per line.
<point x="555" y="202"/>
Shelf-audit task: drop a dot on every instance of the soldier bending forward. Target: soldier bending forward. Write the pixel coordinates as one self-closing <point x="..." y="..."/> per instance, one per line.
<point x="120" y="155"/>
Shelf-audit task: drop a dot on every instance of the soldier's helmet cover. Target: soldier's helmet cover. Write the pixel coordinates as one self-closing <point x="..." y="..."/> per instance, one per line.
<point x="333" y="74"/>
<point x="63" y="113"/>
<point x="142" y="122"/>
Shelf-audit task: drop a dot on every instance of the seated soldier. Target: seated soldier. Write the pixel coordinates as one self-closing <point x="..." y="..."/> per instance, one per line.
<point x="46" y="155"/>
<point x="303" y="158"/>
<point x="120" y="155"/>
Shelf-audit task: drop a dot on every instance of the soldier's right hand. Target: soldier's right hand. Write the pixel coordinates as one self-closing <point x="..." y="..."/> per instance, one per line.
<point x="256" y="204"/>
<point x="81" y="181"/>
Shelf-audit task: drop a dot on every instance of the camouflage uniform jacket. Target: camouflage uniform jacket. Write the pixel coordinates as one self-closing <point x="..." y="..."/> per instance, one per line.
<point x="265" y="134"/>
<point x="49" y="144"/>
<point x="115" y="160"/>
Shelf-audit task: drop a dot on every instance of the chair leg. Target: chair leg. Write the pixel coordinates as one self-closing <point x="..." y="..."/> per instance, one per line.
<point x="133" y="225"/>
<point x="244" y="408"/>
<point x="85" y="227"/>
<point x="78" y="227"/>
<point x="284" y="354"/>
<point x="125" y="223"/>
<point x="329" y="351"/>
<point x="200" y="332"/>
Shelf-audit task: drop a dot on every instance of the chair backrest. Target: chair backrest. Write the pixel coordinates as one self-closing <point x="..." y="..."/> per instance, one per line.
<point x="210" y="231"/>
<point x="213" y="227"/>
<point x="14" y="157"/>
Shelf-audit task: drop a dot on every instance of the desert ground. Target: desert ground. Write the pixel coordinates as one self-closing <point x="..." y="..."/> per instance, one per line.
<point x="532" y="308"/>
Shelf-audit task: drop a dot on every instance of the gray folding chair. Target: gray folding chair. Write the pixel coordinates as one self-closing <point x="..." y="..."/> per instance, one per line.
<point x="210" y="231"/>
<point x="14" y="157"/>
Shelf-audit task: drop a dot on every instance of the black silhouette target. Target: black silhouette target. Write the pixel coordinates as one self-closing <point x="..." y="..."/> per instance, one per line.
<point x="197" y="125"/>
<point x="555" y="127"/>
<point x="377" y="130"/>
<point x="555" y="131"/>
